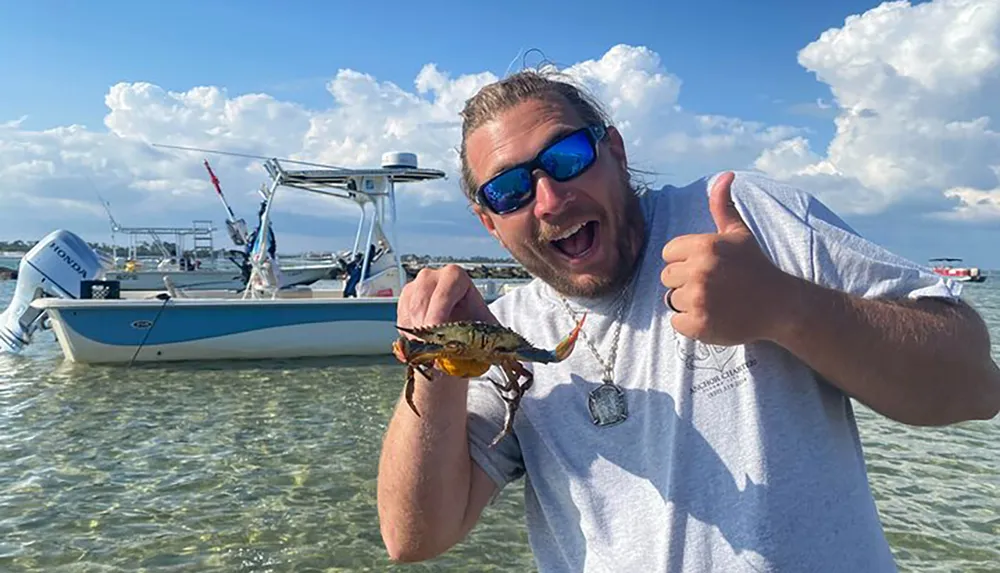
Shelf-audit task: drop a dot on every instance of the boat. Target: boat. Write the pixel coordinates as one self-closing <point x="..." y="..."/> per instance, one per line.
<point x="198" y="267"/>
<point x="8" y="265"/>
<point x="945" y="267"/>
<point x="10" y="260"/>
<point x="96" y="322"/>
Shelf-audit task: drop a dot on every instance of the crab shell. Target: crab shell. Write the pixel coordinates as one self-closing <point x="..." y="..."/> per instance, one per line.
<point x="468" y="348"/>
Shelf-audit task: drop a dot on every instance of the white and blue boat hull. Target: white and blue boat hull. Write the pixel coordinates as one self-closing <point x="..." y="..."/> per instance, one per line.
<point x="152" y="330"/>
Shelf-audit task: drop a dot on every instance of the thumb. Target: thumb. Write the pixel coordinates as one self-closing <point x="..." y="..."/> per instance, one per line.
<point x="720" y="203"/>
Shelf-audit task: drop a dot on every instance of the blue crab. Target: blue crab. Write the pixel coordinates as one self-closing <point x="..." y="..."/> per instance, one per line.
<point x="470" y="348"/>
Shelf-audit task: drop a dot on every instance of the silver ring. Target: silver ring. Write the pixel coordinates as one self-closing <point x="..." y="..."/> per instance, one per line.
<point x="670" y="304"/>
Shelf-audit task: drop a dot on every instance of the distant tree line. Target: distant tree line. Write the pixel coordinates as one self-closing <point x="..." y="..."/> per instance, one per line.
<point x="144" y="249"/>
<point x="424" y="259"/>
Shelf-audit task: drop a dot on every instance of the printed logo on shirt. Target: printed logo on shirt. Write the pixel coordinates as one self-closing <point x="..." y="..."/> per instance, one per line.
<point x="724" y="367"/>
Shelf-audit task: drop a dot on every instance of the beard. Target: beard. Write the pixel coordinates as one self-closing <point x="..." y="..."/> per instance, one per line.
<point x="628" y="224"/>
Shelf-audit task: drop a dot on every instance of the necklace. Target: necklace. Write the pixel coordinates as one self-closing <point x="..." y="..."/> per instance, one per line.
<point x="607" y="402"/>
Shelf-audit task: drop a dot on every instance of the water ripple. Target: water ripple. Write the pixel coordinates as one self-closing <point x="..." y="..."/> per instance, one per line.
<point x="244" y="466"/>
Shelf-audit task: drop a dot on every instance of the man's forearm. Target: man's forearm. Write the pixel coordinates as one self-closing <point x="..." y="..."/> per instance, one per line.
<point x="919" y="362"/>
<point x="424" y="469"/>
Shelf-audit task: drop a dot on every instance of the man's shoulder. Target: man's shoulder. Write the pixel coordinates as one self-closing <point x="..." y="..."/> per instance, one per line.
<point x="750" y="188"/>
<point x="761" y="200"/>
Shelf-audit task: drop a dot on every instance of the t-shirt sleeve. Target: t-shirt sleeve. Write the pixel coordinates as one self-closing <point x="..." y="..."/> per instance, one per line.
<point x="487" y="411"/>
<point x="806" y="238"/>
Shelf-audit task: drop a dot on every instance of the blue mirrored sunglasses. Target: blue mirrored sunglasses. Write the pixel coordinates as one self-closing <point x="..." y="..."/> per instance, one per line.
<point x="562" y="160"/>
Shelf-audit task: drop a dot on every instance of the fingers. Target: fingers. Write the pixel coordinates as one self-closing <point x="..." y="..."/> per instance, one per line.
<point x="688" y="325"/>
<point x="472" y="306"/>
<point x="720" y="203"/>
<point x="667" y="298"/>
<point x="687" y="298"/>
<point x="467" y="301"/>
<point x="449" y="289"/>
<point x="675" y="275"/>
<point x="684" y="246"/>
<point x="440" y="295"/>
<point x="724" y="214"/>
<point x="413" y="300"/>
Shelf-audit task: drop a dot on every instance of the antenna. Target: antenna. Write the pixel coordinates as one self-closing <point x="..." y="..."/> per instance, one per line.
<point x="107" y="208"/>
<point x="249" y="156"/>
<point x="104" y="203"/>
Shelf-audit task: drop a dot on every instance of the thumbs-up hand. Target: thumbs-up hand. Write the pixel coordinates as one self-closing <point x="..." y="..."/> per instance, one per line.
<point x="722" y="288"/>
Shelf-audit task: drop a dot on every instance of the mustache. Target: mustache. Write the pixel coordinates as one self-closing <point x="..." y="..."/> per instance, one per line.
<point x="547" y="232"/>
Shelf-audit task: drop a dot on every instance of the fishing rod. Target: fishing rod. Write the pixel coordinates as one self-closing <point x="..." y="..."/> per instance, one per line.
<point x="218" y="189"/>
<point x="237" y="227"/>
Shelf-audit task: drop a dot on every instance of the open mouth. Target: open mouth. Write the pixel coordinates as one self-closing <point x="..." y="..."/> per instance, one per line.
<point x="578" y="241"/>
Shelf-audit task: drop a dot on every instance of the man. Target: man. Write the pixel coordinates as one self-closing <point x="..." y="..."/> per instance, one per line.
<point x="704" y="423"/>
<point x="272" y="245"/>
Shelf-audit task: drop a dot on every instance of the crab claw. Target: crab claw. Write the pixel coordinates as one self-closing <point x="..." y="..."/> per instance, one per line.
<point x="414" y="351"/>
<point x="565" y="348"/>
<point x="562" y="351"/>
<point x="401" y="349"/>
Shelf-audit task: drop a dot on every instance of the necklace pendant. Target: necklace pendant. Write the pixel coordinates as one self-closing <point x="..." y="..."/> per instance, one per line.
<point x="607" y="404"/>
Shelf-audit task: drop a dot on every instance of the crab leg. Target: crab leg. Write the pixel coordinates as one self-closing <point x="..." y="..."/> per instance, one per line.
<point x="513" y="371"/>
<point x="529" y="378"/>
<point x="418" y="356"/>
<point x="510" y="403"/>
<point x="411" y="383"/>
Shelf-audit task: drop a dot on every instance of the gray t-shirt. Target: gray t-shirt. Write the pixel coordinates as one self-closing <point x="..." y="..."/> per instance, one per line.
<point x="731" y="458"/>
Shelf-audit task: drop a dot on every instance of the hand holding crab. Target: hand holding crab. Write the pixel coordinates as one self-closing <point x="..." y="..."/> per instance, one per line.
<point x="463" y="339"/>
<point x="722" y="287"/>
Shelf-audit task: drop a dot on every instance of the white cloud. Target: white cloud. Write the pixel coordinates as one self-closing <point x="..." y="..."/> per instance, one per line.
<point x="913" y="93"/>
<point x="915" y="90"/>
<point x="972" y="205"/>
<point x="642" y="98"/>
<point x="61" y="169"/>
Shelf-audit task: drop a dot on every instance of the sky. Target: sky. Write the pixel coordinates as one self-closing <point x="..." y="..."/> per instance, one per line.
<point x="885" y="112"/>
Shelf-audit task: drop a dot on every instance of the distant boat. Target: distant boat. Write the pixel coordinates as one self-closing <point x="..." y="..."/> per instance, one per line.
<point x="9" y="262"/>
<point x="944" y="266"/>
<point x="184" y="268"/>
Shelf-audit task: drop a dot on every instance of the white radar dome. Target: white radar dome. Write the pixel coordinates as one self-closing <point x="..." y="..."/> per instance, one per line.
<point x="399" y="159"/>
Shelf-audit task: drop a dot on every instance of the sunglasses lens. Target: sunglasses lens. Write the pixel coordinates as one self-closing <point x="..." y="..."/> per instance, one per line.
<point x="563" y="161"/>
<point x="508" y="191"/>
<point x="569" y="157"/>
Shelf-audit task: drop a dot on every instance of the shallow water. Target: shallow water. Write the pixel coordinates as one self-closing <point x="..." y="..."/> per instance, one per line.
<point x="255" y="466"/>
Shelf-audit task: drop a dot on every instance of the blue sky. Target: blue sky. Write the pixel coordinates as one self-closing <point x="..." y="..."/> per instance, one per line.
<point x="735" y="57"/>
<point x="732" y="59"/>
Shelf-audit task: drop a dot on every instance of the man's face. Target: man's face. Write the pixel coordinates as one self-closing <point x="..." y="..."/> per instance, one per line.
<point x="580" y="236"/>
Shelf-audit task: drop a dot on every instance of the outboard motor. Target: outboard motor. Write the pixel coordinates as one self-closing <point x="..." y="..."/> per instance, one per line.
<point x="55" y="267"/>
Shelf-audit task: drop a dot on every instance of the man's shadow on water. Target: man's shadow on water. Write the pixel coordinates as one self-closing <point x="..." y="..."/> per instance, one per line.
<point x="697" y="484"/>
